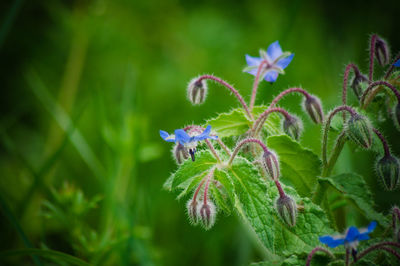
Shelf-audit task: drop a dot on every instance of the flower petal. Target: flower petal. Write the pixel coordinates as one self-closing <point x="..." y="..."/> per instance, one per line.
<point x="352" y="234"/>
<point x="364" y="236"/>
<point x="397" y="63"/>
<point x="271" y="76"/>
<point x="331" y="242"/>
<point x="205" y="134"/>
<point x="274" y="50"/>
<point x="371" y="227"/>
<point x="253" y="61"/>
<point x="166" y="136"/>
<point x="284" y="62"/>
<point x="181" y="136"/>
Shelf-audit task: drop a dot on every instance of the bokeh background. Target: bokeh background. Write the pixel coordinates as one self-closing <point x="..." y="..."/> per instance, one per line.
<point x="86" y="86"/>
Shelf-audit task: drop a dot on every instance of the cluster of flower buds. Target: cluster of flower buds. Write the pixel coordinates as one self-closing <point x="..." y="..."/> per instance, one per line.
<point x="359" y="130"/>
<point x="358" y="83"/>
<point x="200" y="208"/>
<point x="381" y="51"/>
<point x="388" y="170"/>
<point x="197" y="91"/>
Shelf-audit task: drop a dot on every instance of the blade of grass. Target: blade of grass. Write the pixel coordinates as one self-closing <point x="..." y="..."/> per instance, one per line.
<point x="11" y="218"/>
<point x="56" y="256"/>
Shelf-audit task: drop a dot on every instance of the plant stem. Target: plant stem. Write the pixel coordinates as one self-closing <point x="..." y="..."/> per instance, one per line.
<point x="256" y="83"/>
<point x="384" y="143"/>
<point x="327" y="125"/>
<point x="226" y="149"/>
<point x="381" y="246"/>
<point x="261" y="119"/>
<point x="231" y="88"/>
<point x="243" y="142"/>
<point x="364" y="102"/>
<point x="290" y="90"/>
<point x="209" y="177"/>
<point x="212" y="149"/>
<point x="371" y="57"/>
<point x="312" y="253"/>
<point x="347" y="258"/>
<point x="345" y="81"/>
<point x="390" y="70"/>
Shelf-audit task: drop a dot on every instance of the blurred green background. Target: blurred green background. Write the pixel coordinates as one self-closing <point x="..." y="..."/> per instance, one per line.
<point x="86" y="86"/>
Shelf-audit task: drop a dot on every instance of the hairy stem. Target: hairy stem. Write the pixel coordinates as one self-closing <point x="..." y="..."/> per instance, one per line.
<point x="349" y="67"/>
<point x="391" y="68"/>
<point x="327" y="126"/>
<point x="223" y="146"/>
<point x="315" y="250"/>
<point x="256" y="83"/>
<point x="371" y="57"/>
<point x="231" y="88"/>
<point x="212" y="149"/>
<point x="243" y="142"/>
<point x="285" y="92"/>
<point x="209" y="177"/>
<point x="384" y="143"/>
<point x="365" y="101"/>
<point x="263" y="117"/>
<point x="380" y="246"/>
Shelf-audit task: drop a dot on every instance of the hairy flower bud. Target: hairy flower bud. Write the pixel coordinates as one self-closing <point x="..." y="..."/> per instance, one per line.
<point x="197" y="91"/>
<point x="396" y="115"/>
<point x="357" y="84"/>
<point x="191" y="207"/>
<point x="382" y="52"/>
<point x="287" y="209"/>
<point x="388" y="169"/>
<point x="206" y="213"/>
<point x="313" y="107"/>
<point x="359" y="130"/>
<point x="293" y="127"/>
<point x="270" y="164"/>
<point x="180" y="153"/>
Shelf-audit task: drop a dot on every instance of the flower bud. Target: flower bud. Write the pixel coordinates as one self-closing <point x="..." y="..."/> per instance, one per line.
<point x="197" y="91"/>
<point x="359" y="130"/>
<point x="180" y="153"/>
<point x="270" y="164"/>
<point x="287" y="209"/>
<point x="357" y="84"/>
<point x="191" y="207"/>
<point x="382" y="52"/>
<point x="396" y="115"/>
<point x="388" y="170"/>
<point x="293" y="127"/>
<point x="313" y="107"/>
<point x="206" y="213"/>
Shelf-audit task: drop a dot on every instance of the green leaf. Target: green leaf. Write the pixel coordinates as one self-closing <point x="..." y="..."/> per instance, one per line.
<point x="234" y="123"/>
<point x="354" y="188"/>
<point x="255" y="200"/>
<point x="299" y="166"/>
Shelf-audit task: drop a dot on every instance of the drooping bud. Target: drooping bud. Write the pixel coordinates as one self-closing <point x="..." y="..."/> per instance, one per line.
<point x="287" y="209"/>
<point x="293" y="127"/>
<point x="382" y="52"/>
<point x="191" y="207"/>
<point x="180" y="153"/>
<point x="197" y="91"/>
<point x="388" y="170"/>
<point x="206" y="214"/>
<point x="313" y="107"/>
<point x="270" y="164"/>
<point x="359" y="130"/>
<point x="396" y="115"/>
<point x="358" y="83"/>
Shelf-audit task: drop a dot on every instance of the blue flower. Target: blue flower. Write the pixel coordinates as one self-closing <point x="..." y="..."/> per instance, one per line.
<point x="350" y="239"/>
<point x="274" y="61"/>
<point x="397" y="63"/>
<point x="189" y="142"/>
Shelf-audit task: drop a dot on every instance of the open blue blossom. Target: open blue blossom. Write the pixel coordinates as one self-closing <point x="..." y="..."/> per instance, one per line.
<point x="274" y="62"/>
<point x="350" y="239"/>
<point x="397" y="63"/>
<point x="189" y="142"/>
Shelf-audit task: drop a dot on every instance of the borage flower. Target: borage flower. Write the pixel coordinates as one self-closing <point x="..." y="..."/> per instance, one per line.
<point x="350" y="239"/>
<point x="189" y="142"/>
<point x="273" y="62"/>
<point x="397" y="63"/>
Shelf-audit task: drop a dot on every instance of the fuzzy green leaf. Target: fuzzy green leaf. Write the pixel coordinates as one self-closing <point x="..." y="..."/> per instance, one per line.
<point x="255" y="200"/>
<point x="299" y="166"/>
<point x="354" y="188"/>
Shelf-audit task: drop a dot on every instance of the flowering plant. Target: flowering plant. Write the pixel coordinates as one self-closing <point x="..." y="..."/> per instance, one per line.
<point x="254" y="165"/>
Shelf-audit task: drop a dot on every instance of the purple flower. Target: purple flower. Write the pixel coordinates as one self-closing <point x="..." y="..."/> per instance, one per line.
<point x="189" y="142"/>
<point x="350" y="239"/>
<point x="397" y="63"/>
<point x="274" y="61"/>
